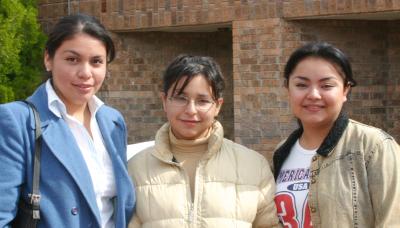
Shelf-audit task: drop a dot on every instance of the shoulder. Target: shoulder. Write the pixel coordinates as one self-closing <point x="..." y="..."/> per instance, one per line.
<point x="367" y="132"/>
<point x="244" y="154"/>
<point x="139" y="160"/>
<point x="14" y="113"/>
<point x="143" y="167"/>
<point x="110" y="113"/>
<point x="15" y="106"/>
<point x="373" y="142"/>
<point x="16" y="127"/>
<point x="251" y="167"/>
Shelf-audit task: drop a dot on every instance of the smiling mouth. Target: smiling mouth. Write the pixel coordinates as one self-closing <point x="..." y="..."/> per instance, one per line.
<point x="313" y="107"/>
<point x="83" y="86"/>
<point x="190" y="121"/>
<point x="84" y="89"/>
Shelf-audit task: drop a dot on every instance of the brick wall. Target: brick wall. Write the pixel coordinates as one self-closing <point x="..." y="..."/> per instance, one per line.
<point x="51" y="10"/>
<point x="259" y="108"/>
<point x="136" y="75"/>
<point x="258" y="38"/>
<point x="334" y="8"/>
<point x="140" y="14"/>
<point x="392" y="103"/>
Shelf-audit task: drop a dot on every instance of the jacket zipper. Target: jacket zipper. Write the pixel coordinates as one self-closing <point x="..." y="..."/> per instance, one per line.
<point x="191" y="212"/>
<point x="195" y="192"/>
<point x="191" y="215"/>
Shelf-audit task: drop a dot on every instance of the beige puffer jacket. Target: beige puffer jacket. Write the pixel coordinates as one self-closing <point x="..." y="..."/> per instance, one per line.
<point x="234" y="187"/>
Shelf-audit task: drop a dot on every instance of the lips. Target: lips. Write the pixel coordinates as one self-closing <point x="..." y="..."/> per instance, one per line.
<point x="190" y="122"/>
<point x="313" y="108"/>
<point x="83" y="87"/>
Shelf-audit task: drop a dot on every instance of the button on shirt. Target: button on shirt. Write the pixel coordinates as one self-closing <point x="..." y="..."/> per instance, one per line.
<point x="93" y="151"/>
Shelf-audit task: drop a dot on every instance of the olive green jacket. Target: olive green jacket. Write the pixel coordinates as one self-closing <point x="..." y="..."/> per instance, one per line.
<point x="355" y="177"/>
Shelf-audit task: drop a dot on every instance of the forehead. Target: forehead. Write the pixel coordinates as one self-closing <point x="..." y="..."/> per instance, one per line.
<point x="316" y="67"/>
<point x="83" y="43"/>
<point x="196" y="84"/>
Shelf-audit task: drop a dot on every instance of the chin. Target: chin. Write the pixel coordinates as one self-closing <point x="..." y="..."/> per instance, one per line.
<point x="191" y="136"/>
<point x="318" y="122"/>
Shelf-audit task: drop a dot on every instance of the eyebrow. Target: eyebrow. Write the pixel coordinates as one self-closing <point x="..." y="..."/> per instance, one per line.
<point x="71" y="51"/>
<point x="76" y="53"/>
<point x="198" y="95"/>
<point x="321" y="80"/>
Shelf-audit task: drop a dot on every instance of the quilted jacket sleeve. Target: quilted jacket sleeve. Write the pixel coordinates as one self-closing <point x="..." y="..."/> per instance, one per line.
<point x="266" y="213"/>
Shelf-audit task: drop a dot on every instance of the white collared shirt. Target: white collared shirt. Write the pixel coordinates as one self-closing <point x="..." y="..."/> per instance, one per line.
<point x="94" y="153"/>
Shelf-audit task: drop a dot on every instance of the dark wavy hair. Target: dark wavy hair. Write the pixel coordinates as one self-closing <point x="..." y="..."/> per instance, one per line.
<point x="190" y="66"/>
<point x="71" y="25"/>
<point x="325" y="51"/>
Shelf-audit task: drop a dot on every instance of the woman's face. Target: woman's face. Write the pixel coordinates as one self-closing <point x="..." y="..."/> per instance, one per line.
<point x="191" y="121"/>
<point x="316" y="92"/>
<point x="78" y="69"/>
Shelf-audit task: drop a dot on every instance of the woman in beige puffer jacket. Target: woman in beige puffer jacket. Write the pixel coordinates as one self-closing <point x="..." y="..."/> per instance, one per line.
<point x="193" y="176"/>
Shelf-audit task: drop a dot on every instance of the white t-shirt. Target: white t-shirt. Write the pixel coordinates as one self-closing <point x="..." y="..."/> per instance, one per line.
<point x="292" y="183"/>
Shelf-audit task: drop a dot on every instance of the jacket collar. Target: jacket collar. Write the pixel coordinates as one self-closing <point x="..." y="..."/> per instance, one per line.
<point x="162" y="148"/>
<point x="326" y="147"/>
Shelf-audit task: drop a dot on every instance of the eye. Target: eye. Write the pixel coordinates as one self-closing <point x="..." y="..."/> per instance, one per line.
<point x="97" y="61"/>
<point x="180" y="98"/>
<point x="300" y="85"/>
<point x="72" y="59"/>
<point x="204" y="102"/>
<point x="327" y="86"/>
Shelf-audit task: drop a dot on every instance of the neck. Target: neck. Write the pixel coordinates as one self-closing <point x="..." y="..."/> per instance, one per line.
<point x="83" y="115"/>
<point x="313" y="137"/>
<point x="79" y="112"/>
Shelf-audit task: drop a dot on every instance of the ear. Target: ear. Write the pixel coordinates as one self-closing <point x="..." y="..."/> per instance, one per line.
<point x="48" y="62"/>
<point x="346" y="91"/>
<point x="163" y="97"/>
<point x="286" y="83"/>
<point x="219" y="103"/>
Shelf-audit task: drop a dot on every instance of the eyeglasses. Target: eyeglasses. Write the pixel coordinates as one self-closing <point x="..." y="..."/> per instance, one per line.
<point x="202" y="104"/>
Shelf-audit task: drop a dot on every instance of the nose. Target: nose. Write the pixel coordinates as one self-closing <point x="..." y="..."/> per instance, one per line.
<point x="85" y="71"/>
<point x="314" y="94"/>
<point x="191" y="107"/>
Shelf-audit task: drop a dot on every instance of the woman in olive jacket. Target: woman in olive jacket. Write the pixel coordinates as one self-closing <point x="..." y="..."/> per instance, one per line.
<point x="333" y="171"/>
